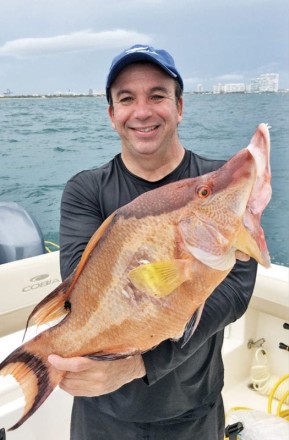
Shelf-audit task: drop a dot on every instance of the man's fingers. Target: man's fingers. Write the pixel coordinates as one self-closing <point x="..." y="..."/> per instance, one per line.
<point x="241" y="256"/>
<point x="74" y="364"/>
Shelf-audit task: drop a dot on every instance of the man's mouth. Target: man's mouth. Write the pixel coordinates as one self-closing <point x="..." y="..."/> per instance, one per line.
<point x="146" y="129"/>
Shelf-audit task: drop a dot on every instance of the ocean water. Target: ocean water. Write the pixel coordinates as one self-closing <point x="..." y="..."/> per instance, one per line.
<point x="43" y="142"/>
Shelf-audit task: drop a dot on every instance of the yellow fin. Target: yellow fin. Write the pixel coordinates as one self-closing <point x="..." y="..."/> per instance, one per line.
<point x="162" y="277"/>
<point x="246" y="243"/>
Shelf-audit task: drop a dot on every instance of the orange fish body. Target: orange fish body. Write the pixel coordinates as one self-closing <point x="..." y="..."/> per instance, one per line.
<point x="148" y="269"/>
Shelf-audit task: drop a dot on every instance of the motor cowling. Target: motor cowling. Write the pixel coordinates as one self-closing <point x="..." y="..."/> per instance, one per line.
<point x="20" y="234"/>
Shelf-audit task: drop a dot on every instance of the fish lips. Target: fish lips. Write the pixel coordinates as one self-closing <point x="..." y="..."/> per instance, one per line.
<point x="253" y="226"/>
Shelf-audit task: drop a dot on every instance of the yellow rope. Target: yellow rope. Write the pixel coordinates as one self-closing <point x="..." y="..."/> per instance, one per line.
<point x="51" y="243"/>
<point x="283" y="398"/>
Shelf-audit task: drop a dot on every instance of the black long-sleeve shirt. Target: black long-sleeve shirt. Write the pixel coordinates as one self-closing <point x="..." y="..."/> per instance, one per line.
<point x="178" y="380"/>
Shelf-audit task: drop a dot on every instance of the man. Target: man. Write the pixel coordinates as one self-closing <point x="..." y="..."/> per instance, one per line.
<point x="170" y="392"/>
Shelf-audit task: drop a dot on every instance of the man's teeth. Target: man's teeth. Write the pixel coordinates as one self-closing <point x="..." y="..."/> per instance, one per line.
<point x="146" y="130"/>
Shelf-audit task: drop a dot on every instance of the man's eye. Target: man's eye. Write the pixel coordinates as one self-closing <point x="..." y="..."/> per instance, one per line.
<point x="157" y="97"/>
<point x="126" y="100"/>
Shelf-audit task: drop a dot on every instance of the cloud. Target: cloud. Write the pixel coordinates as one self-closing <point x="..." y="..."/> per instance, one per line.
<point x="73" y="42"/>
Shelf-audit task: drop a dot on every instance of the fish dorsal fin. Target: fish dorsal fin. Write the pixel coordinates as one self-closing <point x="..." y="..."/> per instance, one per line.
<point x="91" y="245"/>
<point x="53" y="305"/>
<point x="162" y="277"/>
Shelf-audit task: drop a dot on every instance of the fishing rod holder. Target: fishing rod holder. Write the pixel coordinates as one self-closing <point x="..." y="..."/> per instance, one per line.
<point x="259" y="343"/>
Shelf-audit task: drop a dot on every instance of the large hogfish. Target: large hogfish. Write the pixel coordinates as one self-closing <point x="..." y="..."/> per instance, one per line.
<point x="148" y="269"/>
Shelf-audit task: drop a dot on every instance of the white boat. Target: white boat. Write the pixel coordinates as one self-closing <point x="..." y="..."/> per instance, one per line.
<point x="24" y="283"/>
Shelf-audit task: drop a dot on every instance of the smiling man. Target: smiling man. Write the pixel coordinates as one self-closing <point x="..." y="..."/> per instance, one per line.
<point x="145" y="110"/>
<point x="169" y="392"/>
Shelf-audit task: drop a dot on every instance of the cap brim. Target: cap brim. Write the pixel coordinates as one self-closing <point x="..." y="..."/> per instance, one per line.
<point x="133" y="58"/>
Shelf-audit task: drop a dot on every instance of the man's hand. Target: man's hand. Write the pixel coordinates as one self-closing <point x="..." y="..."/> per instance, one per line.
<point x="87" y="377"/>
<point x="241" y="256"/>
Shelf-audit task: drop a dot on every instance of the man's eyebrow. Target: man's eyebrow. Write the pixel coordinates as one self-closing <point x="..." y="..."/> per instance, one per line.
<point x="159" y="89"/>
<point x="152" y="90"/>
<point x="121" y="91"/>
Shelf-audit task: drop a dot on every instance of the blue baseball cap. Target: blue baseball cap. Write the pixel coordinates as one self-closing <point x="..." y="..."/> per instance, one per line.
<point x="140" y="52"/>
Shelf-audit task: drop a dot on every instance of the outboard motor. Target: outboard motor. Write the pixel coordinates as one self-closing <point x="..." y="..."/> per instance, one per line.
<point x="20" y="235"/>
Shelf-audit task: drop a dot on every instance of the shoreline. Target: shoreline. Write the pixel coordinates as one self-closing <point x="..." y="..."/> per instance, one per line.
<point x="102" y="94"/>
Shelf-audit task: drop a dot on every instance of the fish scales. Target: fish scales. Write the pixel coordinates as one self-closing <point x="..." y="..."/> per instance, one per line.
<point x="113" y="306"/>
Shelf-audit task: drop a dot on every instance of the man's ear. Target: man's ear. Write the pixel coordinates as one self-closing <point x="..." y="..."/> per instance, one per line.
<point x="111" y="116"/>
<point x="180" y="109"/>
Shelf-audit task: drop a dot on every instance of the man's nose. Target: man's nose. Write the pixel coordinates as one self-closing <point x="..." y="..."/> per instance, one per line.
<point x="142" y="109"/>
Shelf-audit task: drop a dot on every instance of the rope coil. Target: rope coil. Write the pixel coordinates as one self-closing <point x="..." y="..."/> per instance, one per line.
<point x="271" y="385"/>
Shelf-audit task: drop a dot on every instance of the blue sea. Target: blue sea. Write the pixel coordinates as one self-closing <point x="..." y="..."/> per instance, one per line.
<point x="43" y="142"/>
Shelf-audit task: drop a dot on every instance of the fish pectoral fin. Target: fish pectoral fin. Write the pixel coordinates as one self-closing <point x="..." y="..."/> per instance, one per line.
<point x="53" y="306"/>
<point x="162" y="277"/>
<point x="246" y="243"/>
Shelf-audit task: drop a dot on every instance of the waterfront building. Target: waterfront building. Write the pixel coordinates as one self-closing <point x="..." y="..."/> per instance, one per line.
<point x="234" y="88"/>
<point x="229" y="88"/>
<point x="7" y="92"/>
<point x="218" y="88"/>
<point x="268" y="82"/>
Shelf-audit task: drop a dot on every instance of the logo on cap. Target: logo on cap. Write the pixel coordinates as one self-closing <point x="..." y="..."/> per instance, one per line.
<point x="140" y="49"/>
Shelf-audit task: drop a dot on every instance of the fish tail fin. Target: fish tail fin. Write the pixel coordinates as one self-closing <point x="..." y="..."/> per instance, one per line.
<point x="36" y="378"/>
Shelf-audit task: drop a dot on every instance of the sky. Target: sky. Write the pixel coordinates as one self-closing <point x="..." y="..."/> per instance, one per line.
<point x="51" y="46"/>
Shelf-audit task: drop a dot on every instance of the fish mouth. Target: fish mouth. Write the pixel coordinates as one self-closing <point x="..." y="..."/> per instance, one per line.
<point x="249" y="239"/>
<point x="255" y="244"/>
<point x="262" y="190"/>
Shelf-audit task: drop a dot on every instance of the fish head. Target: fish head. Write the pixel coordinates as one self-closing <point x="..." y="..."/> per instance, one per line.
<point x="227" y="207"/>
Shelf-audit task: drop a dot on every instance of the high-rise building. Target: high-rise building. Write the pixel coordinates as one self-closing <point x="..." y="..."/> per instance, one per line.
<point x="234" y="88"/>
<point x="229" y="88"/>
<point x="268" y="82"/>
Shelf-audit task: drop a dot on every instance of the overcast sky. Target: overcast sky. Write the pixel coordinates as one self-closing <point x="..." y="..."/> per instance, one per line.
<point x="48" y="46"/>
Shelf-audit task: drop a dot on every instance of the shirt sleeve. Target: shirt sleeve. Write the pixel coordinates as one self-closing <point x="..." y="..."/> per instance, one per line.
<point x="80" y="218"/>
<point x="227" y="303"/>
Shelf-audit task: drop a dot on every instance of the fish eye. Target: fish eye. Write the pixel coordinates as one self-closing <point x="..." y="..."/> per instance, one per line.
<point x="203" y="192"/>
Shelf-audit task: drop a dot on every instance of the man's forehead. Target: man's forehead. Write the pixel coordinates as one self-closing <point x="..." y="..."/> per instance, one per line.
<point x="147" y="73"/>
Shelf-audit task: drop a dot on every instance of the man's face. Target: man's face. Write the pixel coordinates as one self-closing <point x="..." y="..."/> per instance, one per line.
<point x="144" y="111"/>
